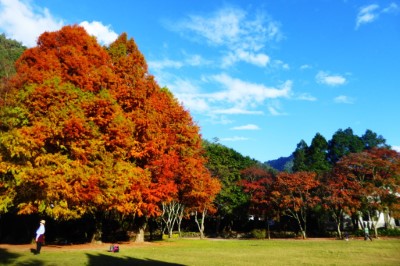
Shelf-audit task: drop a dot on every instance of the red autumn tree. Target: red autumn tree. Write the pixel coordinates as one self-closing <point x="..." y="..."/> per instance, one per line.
<point x="294" y="194"/>
<point x="377" y="171"/>
<point x="258" y="183"/>
<point x="340" y="195"/>
<point x="89" y="131"/>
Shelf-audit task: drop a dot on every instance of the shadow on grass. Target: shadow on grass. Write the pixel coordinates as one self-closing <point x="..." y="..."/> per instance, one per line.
<point x="102" y="260"/>
<point x="8" y="258"/>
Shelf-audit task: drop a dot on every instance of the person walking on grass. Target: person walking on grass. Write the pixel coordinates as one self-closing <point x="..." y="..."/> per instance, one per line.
<point x="40" y="236"/>
<point x="366" y="233"/>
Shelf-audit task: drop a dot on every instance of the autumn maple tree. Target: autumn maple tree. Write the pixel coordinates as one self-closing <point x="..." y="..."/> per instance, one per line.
<point x="294" y="195"/>
<point x="88" y="130"/>
<point x="258" y="183"/>
<point x="341" y="196"/>
<point x="377" y="172"/>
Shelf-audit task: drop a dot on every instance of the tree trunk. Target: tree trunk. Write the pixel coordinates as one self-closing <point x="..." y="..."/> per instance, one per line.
<point x="98" y="230"/>
<point x="170" y="215"/>
<point x="180" y="218"/>
<point x="268" y="232"/>
<point x="140" y="234"/>
<point x="200" y="224"/>
<point x="141" y="224"/>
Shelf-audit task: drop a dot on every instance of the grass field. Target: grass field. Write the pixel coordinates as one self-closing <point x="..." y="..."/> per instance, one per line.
<point x="213" y="252"/>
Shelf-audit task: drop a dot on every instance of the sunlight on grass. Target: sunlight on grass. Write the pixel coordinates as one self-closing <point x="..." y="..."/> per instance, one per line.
<point x="221" y="252"/>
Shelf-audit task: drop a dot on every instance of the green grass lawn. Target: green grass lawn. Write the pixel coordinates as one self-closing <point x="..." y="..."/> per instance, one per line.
<point x="217" y="252"/>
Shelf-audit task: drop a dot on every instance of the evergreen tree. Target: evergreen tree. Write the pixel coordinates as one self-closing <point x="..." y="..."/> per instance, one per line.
<point x="316" y="159"/>
<point x="342" y="143"/>
<point x="299" y="157"/>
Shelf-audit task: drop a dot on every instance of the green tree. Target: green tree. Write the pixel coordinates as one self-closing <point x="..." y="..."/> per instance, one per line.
<point x="300" y="157"/>
<point x="342" y="143"/>
<point x="316" y="158"/>
<point x="226" y="164"/>
<point x="371" y="140"/>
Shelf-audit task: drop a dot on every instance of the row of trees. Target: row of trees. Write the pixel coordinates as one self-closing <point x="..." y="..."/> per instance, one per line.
<point x="87" y="134"/>
<point x="360" y="184"/>
<point x="86" y="130"/>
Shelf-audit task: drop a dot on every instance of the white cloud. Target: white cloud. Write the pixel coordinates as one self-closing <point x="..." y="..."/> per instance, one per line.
<point x="367" y="14"/>
<point x="343" y="99"/>
<point x="370" y="13"/>
<point x="396" y="148"/>
<point x="246" y="127"/>
<point x="236" y="138"/>
<point x="24" y="22"/>
<point x="104" y="34"/>
<point x="245" y="93"/>
<point x="258" y="59"/>
<point x="331" y="80"/>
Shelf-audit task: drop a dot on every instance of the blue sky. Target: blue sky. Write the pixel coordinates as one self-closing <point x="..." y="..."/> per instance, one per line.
<point x="258" y="75"/>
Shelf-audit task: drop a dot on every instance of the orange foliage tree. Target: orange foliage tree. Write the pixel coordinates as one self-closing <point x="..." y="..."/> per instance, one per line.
<point x="377" y="172"/>
<point x="294" y="194"/>
<point x="258" y="183"/>
<point x="88" y="130"/>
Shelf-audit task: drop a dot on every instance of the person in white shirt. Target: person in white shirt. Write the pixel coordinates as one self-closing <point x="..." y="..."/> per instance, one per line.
<point x="40" y="236"/>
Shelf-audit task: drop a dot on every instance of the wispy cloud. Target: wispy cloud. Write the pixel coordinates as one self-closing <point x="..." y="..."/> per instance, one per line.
<point x="370" y="13"/>
<point x="258" y="59"/>
<point x="194" y="60"/>
<point x="246" y="127"/>
<point x="242" y="37"/>
<point x="306" y="97"/>
<point x="274" y="108"/>
<point x="325" y="78"/>
<point x="236" y="111"/>
<point x="229" y="96"/>
<point x="343" y="99"/>
<point x="25" y="22"/>
<point x="245" y="93"/>
<point x="392" y="8"/>
<point x="305" y="66"/>
<point x="235" y="138"/>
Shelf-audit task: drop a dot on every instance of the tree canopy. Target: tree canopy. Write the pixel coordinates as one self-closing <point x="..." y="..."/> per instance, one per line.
<point x="88" y="129"/>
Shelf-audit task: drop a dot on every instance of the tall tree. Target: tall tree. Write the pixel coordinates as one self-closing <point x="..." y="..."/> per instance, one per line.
<point x="226" y="164"/>
<point x="316" y="159"/>
<point x="88" y="130"/>
<point x="300" y="157"/>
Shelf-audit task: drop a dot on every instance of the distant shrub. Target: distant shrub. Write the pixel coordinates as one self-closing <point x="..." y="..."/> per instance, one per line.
<point x="388" y="232"/>
<point x="258" y="233"/>
<point x="190" y="234"/>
